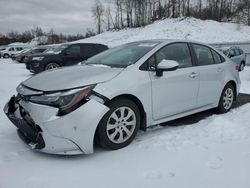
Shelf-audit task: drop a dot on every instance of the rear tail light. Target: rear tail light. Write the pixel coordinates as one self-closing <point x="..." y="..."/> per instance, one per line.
<point x="237" y="68"/>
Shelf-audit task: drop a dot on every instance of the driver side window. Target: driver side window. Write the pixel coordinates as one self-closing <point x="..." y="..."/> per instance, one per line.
<point x="178" y="52"/>
<point x="73" y="50"/>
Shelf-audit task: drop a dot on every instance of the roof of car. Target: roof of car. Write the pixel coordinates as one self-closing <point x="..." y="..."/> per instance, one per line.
<point x="166" y="41"/>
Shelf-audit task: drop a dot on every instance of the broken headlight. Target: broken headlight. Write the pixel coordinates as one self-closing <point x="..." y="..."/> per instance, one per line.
<point x="66" y="101"/>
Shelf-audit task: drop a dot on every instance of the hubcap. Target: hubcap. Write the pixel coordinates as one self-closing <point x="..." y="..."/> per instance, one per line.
<point x="52" y="66"/>
<point x="228" y="98"/>
<point x="121" y="125"/>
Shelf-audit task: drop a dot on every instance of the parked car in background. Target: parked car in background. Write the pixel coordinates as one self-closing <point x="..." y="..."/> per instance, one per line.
<point x="1" y="49"/>
<point x="20" y="57"/>
<point x="11" y="50"/>
<point x="119" y="91"/>
<point x="236" y="54"/>
<point x="63" y="55"/>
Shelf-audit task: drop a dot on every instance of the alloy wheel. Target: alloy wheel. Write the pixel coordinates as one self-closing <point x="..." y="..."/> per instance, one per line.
<point x="52" y="66"/>
<point x="121" y="125"/>
<point x="228" y="98"/>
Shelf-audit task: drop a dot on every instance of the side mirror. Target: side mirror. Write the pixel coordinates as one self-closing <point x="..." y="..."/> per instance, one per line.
<point x="166" y="65"/>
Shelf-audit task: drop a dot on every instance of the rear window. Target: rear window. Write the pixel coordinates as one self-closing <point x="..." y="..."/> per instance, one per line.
<point x="88" y="50"/>
<point x="101" y="48"/>
<point x="203" y="55"/>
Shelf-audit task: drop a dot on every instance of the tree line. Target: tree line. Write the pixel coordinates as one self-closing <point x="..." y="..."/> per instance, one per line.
<point x="119" y="14"/>
<point x="41" y="36"/>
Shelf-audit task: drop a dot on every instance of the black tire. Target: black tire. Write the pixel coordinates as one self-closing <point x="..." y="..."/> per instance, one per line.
<point x="221" y="107"/>
<point x="102" y="137"/>
<point x="6" y="56"/>
<point x="242" y="66"/>
<point x="22" y="60"/>
<point x="51" y="65"/>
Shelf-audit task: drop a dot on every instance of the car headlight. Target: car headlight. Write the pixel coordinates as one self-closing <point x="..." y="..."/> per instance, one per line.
<point x="38" y="58"/>
<point x="66" y="101"/>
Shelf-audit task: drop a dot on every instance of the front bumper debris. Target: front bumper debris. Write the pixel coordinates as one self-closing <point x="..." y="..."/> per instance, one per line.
<point x="41" y="128"/>
<point x="27" y="130"/>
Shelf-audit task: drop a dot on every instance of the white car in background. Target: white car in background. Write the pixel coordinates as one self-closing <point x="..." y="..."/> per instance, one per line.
<point x="11" y="50"/>
<point x="119" y="91"/>
<point x="237" y="55"/>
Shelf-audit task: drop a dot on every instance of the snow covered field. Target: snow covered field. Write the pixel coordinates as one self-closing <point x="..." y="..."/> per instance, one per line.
<point x="211" y="153"/>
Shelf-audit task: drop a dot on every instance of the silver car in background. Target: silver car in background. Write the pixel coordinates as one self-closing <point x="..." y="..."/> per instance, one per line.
<point x="119" y="91"/>
<point x="237" y="55"/>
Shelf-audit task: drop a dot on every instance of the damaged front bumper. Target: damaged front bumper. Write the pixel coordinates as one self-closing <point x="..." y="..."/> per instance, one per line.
<point x="41" y="128"/>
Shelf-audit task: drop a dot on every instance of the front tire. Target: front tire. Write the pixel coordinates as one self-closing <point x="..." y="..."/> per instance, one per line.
<point x="226" y="99"/>
<point x="51" y="66"/>
<point x="119" y="126"/>
<point x="6" y="56"/>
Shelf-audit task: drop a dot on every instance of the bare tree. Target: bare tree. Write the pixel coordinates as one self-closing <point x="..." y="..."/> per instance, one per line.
<point x="98" y="12"/>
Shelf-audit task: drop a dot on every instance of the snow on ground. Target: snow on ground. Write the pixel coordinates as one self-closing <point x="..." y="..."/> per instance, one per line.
<point x="207" y="31"/>
<point x="211" y="153"/>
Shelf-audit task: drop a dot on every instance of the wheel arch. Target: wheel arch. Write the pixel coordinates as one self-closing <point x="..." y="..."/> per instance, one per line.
<point x="233" y="83"/>
<point x="143" y="115"/>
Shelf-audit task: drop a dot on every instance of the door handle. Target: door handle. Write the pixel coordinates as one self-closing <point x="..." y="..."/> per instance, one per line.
<point x="219" y="69"/>
<point x="193" y="75"/>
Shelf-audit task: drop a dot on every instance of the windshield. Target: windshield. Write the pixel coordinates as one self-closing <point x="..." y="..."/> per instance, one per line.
<point x="124" y="55"/>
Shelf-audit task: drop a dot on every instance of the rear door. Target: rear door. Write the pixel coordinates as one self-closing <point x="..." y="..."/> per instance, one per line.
<point x="71" y="55"/>
<point x="175" y="91"/>
<point x="211" y="69"/>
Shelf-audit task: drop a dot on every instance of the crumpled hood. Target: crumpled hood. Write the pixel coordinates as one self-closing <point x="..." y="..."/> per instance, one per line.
<point x="71" y="77"/>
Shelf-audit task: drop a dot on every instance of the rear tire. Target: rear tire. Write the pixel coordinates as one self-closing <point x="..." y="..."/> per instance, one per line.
<point x="226" y="99"/>
<point x="242" y="66"/>
<point x="119" y="126"/>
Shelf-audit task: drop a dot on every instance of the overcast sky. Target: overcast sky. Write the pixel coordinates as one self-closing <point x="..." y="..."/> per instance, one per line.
<point x="67" y="16"/>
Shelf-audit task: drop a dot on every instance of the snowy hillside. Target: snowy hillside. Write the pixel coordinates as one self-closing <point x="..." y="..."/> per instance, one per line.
<point x="180" y="28"/>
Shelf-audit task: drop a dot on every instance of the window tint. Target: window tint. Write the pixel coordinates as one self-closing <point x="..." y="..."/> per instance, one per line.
<point x="101" y="48"/>
<point x="203" y="54"/>
<point x="19" y="48"/>
<point x="88" y="50"/>
<point x="217" y="57"/>
<point x="11" y="49"/>
<point x="35" y="51"/>
<point x="178" y="52"/>
<point x="75" y="50"/>
<point x="41" y="50"/>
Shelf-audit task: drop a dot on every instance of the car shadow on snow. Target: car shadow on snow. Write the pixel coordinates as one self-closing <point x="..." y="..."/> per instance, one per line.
<point x="195" y="118"/>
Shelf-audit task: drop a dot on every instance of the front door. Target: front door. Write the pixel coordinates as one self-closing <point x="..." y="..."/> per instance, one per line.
<point x="175" y="91"/>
